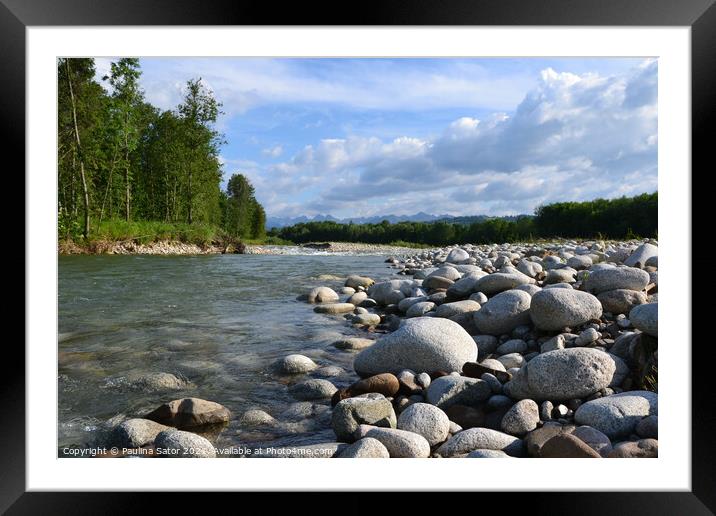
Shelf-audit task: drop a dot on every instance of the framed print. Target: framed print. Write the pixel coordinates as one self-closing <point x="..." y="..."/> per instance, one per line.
<point x="426" y="232"/>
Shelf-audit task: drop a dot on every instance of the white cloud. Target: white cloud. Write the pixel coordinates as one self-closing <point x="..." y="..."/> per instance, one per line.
<point x="573" y="137"/>
<point x="242" y="84"/>
<point x="272" y="152"/>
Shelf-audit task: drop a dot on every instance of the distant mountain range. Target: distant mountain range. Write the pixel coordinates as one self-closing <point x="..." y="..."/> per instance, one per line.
<point x="279" y="222"/>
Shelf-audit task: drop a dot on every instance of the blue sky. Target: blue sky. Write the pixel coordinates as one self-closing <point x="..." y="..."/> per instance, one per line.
<point x="361" y="137"/>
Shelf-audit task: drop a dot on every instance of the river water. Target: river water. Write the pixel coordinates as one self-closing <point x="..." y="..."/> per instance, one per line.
<point x="217" y="321"/>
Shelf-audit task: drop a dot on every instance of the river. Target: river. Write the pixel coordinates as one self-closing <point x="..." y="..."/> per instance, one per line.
<point x="218" y="321"/>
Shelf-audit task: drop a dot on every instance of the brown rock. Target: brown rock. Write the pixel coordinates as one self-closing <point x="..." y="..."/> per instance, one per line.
<point x="643" y="449"/>
<point x="475" y="370"/>
<point x="385" y="383"/>
<point x="437" y="283"/>
<point x="536" y="438"/>
<point x="408" y="385"/>
<point x="190" y="412"/>
<point x="466" y="417"/>
<point x="567" y="446"/>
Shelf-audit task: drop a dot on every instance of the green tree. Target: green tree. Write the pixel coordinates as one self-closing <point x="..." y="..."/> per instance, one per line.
<point x="198" y="113"/>
<point x="125" y="105"/>
<point x="80" y="104"/>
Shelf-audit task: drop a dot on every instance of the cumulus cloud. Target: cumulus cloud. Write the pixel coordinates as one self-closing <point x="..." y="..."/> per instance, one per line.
<point x="573" y="137"/>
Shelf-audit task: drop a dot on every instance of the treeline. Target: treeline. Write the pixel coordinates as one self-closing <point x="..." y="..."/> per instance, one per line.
<point x="601" y="218"/>
<point x="121" y="158"/>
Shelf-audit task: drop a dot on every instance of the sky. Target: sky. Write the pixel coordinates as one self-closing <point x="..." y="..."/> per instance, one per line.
<point x="483" y="136"/>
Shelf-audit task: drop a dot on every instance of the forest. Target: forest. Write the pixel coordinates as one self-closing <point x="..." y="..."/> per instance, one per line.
<point x="126" y="166"/>
<point x="625" y="217"/>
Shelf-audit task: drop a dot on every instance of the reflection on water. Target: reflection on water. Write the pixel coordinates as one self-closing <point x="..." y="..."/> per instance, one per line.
<point x="215" y="322"/>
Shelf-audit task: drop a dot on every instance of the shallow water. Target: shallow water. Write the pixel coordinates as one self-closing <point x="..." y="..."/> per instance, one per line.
<point x="217" y="321"/>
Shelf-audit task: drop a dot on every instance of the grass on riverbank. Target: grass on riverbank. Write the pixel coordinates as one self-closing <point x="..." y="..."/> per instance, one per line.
<point x="413" y="245"/>
<point x="147" y="231"/>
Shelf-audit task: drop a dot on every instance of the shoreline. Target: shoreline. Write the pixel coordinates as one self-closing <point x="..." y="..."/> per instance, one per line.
<point x="174" y="248"/>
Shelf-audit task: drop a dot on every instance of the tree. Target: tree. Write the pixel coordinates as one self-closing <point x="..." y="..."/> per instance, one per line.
<point x="244" y="215"/>
<point x="126" y="102"/>
<point x="80" y="103"/>
<point x="198" y="113"/>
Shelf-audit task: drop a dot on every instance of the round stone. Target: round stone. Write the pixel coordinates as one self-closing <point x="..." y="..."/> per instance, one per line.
<point x="646" y="318"/>
<point x="420" y="344"/>
<point x="426" y="420"/>
<point x="521" y="418"/>
<point x="557" y="308"/>
<point x="322" y="295"/>
<point x="295" y="364"/>
<point x="366" y="448"/>
<point x="618" y="415"/>
<point x="504" y="312"/>
<point x="176" y="443"/>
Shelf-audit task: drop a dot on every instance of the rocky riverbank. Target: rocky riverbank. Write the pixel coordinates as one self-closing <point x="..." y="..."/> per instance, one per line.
<point x="167" y="247"/>
<point x="164" y="247"/>
<point x="491" y="351"/>
<point x="332" y="248"/>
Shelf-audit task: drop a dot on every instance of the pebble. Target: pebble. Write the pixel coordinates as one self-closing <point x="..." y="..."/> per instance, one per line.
<point x="312" y="389"/>
<point x="295" y="364"/>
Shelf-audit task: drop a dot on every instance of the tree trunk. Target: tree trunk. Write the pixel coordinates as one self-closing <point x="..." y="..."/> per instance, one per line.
<point x="79" y="151"/>
<point x="190" y="198"/>
<point x="126" y="172"/>
<point x="109" y="186"/>
<point x="126" y="192"/>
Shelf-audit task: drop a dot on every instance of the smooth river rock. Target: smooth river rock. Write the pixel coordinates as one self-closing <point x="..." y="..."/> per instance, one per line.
<point x="521" y="418"/>
<point x="557" y="308"/>
<point x="334" y="308"/>
<point x="420" y="344"/>
<point x="563" y="374"/>
<point x="350" y="413"/>
<point x="190" y="412"/>
<point x="642" y="255"/>
<point x="322" y="295"/>
<point x="618" y="415"/>
<point x="481" y="439"/>
<point x="136" y="432"/>
<point x="621" y="301"/>
<point x="646" y="318"/>
<point x="426" y="420"/>
<point x="176" y="443"/>
<point x="313" y="389"/>
<point x="450" y="390"/>
<point x="366" y="448"/>
<point x="295" y="364"/>
<point x="399" y="443"/>
<point x="629" y="278"/>
<point x="504" y="312"/>
<point x="500" y="281"/>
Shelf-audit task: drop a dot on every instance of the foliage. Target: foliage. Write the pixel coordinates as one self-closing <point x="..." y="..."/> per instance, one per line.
<point x="158" y="168"/>
<point x="615" y="218"/>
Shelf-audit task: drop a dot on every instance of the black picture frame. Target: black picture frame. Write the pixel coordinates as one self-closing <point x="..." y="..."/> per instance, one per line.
<point x="700" y="15"/>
